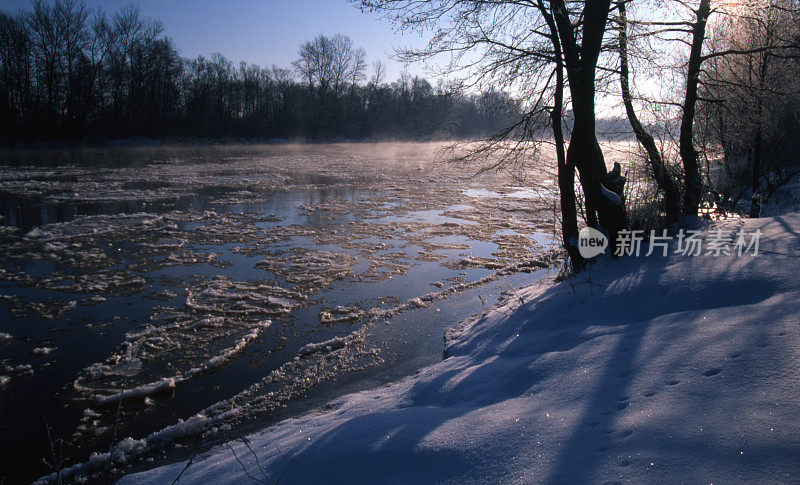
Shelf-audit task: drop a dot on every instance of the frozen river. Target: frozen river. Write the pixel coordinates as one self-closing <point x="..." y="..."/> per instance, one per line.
<point x="180" y="296"/>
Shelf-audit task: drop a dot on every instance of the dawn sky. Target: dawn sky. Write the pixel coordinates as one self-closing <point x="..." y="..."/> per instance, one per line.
<point x="263" y="32"/>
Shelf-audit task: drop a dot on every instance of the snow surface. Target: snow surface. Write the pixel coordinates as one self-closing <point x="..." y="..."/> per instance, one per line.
<point x="676" y="369"/>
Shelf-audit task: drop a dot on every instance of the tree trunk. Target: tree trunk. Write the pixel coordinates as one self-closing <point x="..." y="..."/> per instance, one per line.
<point x="665" y="182"/>
<point x="691" y="170"/>
<point x="755" y="208"/>
<point x="602" y="191"/>
<point x="566" y="171"/>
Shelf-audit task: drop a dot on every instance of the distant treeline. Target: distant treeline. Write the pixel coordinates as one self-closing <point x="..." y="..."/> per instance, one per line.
<point x="73" y="74"/>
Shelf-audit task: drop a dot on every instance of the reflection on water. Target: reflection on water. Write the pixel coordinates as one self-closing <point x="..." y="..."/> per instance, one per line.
<point x="135" y="295"/>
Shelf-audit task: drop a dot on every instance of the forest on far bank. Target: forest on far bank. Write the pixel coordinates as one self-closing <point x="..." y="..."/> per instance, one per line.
<point x="71" y="74"/>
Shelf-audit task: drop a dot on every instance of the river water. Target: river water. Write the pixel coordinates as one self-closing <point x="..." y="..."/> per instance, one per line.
<point x="188" y="294"/>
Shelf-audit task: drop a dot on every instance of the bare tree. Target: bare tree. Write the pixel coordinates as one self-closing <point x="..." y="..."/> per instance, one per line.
<point x="379" y="73"/>
<point x="750" y="100"/>
<point x="603" y="190"/>
<point x="330" y="62"/>
<point x="528" y="45"/>
<point x="666" y="182"/>
<point x="689" y="24"/>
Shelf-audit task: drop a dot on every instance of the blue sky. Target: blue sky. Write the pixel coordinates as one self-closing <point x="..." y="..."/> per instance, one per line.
<point x="263" y="32"/>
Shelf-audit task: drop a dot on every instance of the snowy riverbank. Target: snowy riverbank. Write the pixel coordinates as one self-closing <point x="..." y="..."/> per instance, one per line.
<point x="679" y="369"/>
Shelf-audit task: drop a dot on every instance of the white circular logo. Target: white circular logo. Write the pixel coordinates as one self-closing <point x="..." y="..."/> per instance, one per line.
<point x="591" y="242"/>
